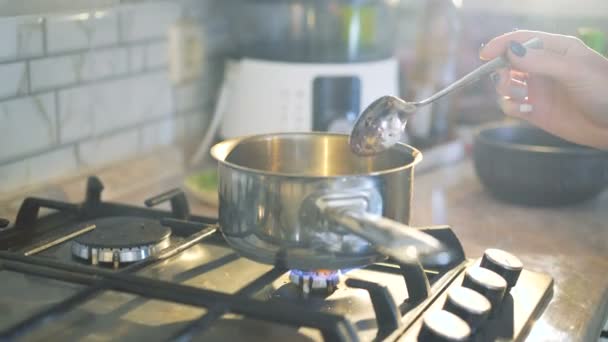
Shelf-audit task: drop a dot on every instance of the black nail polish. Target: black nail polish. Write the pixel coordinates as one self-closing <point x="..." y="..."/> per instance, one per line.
<point x="495" y="77"/>
<point x="517" y="48"/>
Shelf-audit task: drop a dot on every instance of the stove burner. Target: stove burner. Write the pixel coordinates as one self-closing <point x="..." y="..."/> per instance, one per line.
<point x="121" y="239"/>
<point x="320" y="281"/>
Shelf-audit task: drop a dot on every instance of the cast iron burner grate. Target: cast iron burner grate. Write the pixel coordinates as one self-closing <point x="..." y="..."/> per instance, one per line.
<point x="22" y="248"/>
<point x="120" y="240"/>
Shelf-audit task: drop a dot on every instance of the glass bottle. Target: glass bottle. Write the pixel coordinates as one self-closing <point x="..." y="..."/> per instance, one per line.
<point x="435" y="68"/>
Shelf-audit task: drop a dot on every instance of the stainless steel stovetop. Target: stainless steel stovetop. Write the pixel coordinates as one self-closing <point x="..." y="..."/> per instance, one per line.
<point x="67" y="276"/>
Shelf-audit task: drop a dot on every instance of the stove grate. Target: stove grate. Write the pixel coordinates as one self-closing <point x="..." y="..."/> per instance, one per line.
<point x="32" y="234"/>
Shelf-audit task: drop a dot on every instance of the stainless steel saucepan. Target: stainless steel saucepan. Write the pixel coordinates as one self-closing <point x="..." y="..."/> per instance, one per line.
<point x="305" y="201"/>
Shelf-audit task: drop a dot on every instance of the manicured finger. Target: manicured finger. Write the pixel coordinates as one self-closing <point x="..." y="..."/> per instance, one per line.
<point x="516" y="108"/>
<point x="555" y="43"/>
<point x="510" y="83"/>
<point x="513" y="88"/>
<point x="548" y="108"/>
<point x="541" y="62"/>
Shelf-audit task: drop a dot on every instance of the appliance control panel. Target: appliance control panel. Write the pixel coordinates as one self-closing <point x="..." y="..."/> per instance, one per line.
<point x="493" y="299"/>
<point x="292" y="109"/>
<point x="270" y="96"/>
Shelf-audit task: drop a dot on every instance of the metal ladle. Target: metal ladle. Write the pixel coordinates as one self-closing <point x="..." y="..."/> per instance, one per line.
<point x="382" y="123"/>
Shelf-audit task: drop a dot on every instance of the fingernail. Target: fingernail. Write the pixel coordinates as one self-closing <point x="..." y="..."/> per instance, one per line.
<point x="517" y="49"/>
<point x="479" y="51"/>
<point x="495" y="77"/>
<point x="525" y="108"/>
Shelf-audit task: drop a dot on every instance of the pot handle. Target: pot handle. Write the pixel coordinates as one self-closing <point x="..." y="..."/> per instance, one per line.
<point x="399" y="241"/>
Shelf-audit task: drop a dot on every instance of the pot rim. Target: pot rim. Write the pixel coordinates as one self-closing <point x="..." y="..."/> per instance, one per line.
<point x="221" y="150"/>
<point x="571" y="150"/>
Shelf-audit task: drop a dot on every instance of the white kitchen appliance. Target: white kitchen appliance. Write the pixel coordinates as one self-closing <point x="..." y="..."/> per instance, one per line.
<point x="303" y="65"/>
<point x="274" y="96"/>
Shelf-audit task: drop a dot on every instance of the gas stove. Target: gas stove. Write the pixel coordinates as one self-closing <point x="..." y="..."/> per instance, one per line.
<point x="108" y="271"/>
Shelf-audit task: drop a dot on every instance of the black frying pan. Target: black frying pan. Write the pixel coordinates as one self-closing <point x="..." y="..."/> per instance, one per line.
<point x="522" y="164"/>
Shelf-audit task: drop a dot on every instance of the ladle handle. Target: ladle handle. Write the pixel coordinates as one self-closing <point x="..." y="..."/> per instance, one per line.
<point x="475" y="75"/>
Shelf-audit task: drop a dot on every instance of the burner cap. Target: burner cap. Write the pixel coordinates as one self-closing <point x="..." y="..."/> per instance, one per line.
<point x="318" y="281"/>
<point x="121" y="239"/>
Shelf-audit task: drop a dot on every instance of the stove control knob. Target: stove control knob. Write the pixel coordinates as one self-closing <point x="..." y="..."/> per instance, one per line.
<point x="469" y="305"/>
<point x="505" y="264"/>
<point x="486" y="282"/>
<point x="443" y="326"/>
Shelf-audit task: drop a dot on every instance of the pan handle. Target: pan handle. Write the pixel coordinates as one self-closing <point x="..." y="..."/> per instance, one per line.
<point x="391" y="238"/>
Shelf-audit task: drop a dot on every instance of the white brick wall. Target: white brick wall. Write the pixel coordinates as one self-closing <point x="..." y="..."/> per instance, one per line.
<point x="157" y="134"/>
<point x="81" y="31"/>
<point x="187" y="97"/>
<point x="20" y="37"/>
<point x="153" y="97"/>
<point x="27" y="125"/>
<point x="54" y="72"/>
<point x="148" y="56"/>
<point x="99" y="108"/>
<point x="104" y="63"/>
<point x="157" y="55"/>
<point x="195" y="125"/>
<point x="85" y="89"/>
<point x="98" y="151"/>
<point x="57" y="163"/>
<point x="76" y="113"/>
<point x="137" y="58"/>
<point x="152" y="21"/>
<point x="13" y="79"/>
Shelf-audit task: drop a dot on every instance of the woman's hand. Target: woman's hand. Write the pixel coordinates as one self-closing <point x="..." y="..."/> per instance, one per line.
<point x="561" y="87"/>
